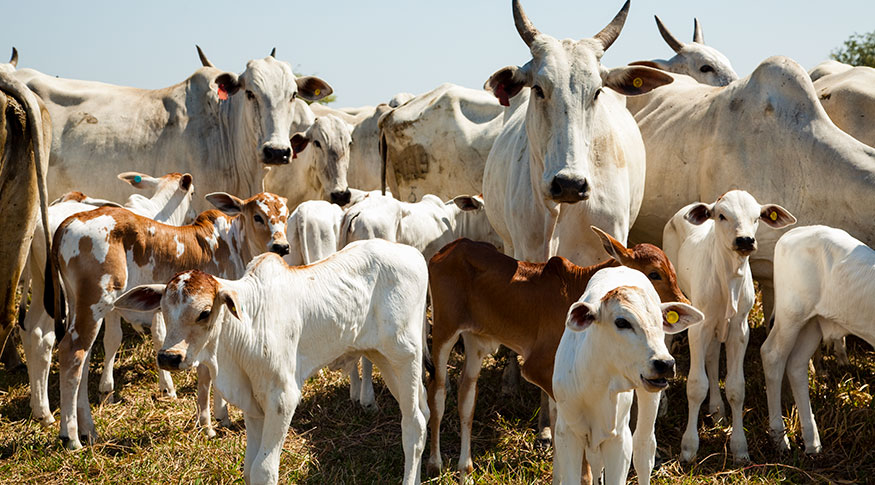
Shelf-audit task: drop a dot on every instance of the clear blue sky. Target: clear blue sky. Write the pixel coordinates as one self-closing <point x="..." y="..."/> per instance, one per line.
<point x="370" y="50"/>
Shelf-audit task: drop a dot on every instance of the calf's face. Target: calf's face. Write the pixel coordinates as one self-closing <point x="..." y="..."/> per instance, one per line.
<point x="263" y="216"/>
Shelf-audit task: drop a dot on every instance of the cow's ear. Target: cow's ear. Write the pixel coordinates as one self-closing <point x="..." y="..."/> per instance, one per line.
<point x="185" y="182"/>
<point x="226" y="203"/>
<point x="143" y="298"/>
<point x="139" y="180"/>
<point x="312" y="88"/>
<point x="677" y="317"/>
<point x="634" y="80"/>
<point x="507" y="82"/>
<point x="581" y="315"/>
<point x="699" y="213"/>
<point x="776" y="216"/>
<point x="299" y="142"/>
<point x="614" y="248"/>
<point x="227" y="84"/>
<point x="468" y="202"/>
<point x="228" y="297"/>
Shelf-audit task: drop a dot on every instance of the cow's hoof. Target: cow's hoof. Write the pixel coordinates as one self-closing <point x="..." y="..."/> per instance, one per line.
<point x="45" y="421"/>
<point x="687" y="456"/>
<point x="741" y="458"/>
<point x="71" y="445"/>
<point x="224" y="422"/>
<point x="812" y="450"/>
<point x="433" y="468"/>
<point x="168" y="393"/>
<point x="545" y="438"/>
<point x="371" y="407"/>
<point x="210" y="432"/>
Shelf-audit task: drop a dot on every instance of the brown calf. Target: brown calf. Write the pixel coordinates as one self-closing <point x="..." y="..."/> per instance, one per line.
<point x="492" y="299"/>
<point x="105" y="251"/>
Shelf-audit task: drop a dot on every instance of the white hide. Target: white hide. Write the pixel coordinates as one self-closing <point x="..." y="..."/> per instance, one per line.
<point x="824" y="287"/>
<point x="849" y="99"/>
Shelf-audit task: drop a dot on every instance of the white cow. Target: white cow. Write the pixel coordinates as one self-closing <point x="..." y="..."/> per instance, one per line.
<point x="697" y="60"/>
<point x="400" y="99"/>
<point x="824" y="283"/>
<point x="827" y="68"/>
<point x="264" y="335"/>
<point x="849" y="99"/>
<point x="13" y="61"/>
<point x="170" y="203"/>
<point x="612" y="344"/>
<point x="709" y="245"/>
<point x="220" y="127"/>
<point x="320" y="163"/>
<point x="437" y="143"/>
<point x="766" y="133"/>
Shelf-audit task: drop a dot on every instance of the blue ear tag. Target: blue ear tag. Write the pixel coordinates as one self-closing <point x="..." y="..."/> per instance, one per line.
<point x="137" y="179"/>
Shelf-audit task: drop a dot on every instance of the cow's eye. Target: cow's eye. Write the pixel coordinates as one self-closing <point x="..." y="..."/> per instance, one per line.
<point x="203" y="316"/>
<point x="249" y="94"/>
<point x="538" y="91"/>
<point x="622" y="323"/>
<point x="258" y="219"/>
<point x="316" y="142"/>
<point x="706" y="68"/>
<point x="722" y="217"/>
<point x="654" y="276"/>
<point x="294" y="95"/>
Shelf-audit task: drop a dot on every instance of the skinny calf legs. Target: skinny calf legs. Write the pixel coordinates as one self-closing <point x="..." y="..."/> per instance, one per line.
<point x="475" y="351"/>
<point x="437" y="393"/>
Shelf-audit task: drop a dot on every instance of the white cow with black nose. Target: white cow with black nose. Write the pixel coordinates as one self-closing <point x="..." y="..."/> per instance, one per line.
<point x="612" y="344"/>
<point x="710" y="245"/>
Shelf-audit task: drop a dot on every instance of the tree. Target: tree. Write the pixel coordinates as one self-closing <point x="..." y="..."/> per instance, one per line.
<point x="858" y="50"/>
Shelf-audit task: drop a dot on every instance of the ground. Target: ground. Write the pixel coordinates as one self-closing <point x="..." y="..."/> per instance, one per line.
<point x="146" y="438"/>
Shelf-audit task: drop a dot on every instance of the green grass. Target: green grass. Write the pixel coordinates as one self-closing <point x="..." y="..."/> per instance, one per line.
<point x="146" y="438"/>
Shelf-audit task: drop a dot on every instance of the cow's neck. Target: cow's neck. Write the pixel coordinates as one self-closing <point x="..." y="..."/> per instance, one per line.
<point x="236" y="148"/>
<point x="577" y="277"/>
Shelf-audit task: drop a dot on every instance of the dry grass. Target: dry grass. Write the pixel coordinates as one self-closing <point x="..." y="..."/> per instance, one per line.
<point x="149" y="439"/>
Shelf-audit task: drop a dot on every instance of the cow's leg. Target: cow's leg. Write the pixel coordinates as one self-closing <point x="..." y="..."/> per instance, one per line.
<point x="437" y="393"/>
<point x="278" y="414"/>
<point x="736" y="346"/>
<point x="617" y="453"/>
<point x="797" y="373"/>
<point x="545" y="433"/>
<point x="567" y="453"/>
<point x="38" y="338"/>
<point x="838" y="347"/>
<point x="510" y="377"/>
<point x="203" y="403"/>
<point x="367" y="398"/>
<point x="774" y="353"/>
<point x="767" y="290"/>
<point x="112" y="341"/>
<point x="475" y="351"/>
<point x="254" y="430"/>
<point x="73" y="354"/>
<point x="355" y="382"/>
<point x="644" y="439"/>
<point x="697" y="388"/>
<point x="712" y="369"/>
<point x="220" y="409"/>
<point x="159" y="333"/>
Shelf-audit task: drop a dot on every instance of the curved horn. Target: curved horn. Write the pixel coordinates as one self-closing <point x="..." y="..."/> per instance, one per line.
<point x="14" y="59"/>
<point x="273" y="53"/>
<point x="206" y="62"/>
<point x="609" y="34"/>
<point x="698" y="37"/>
<point x="523" y="25"/>
<point x="672" y="42"/>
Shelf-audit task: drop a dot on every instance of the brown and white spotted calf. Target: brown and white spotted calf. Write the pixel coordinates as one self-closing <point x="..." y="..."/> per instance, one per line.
<point x="103" y="252"/>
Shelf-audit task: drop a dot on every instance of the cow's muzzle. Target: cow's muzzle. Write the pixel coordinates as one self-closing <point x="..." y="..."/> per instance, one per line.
<point x="276" y="156"/>
<point x="745" y="245"/>
<point x="340" y="198"/>
<point x="169" y="361"/>
<point x="567" y="190"/>
<point x="280" y="248"/>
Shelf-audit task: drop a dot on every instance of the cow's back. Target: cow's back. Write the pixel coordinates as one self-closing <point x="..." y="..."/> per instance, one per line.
<point x="849" y="99"/>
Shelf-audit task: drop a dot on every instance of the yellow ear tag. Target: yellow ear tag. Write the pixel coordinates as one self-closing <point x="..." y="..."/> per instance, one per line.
<point x="637" y="82"/>
<point x="316" y="92"/>
<point x="672" y="317"/>
<point x="773" y="216"/>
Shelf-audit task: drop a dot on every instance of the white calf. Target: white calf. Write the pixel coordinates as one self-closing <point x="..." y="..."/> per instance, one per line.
<point x="710" y="245"/>
<point x="263" y="335"/>
<point x="170" y="203"/>
<point x="612" y="345"/>
<point x="824" y="287"/>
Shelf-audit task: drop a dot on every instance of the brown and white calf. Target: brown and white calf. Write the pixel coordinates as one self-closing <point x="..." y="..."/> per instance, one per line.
<point x="103" y="252"/>
<point x="492" y="299"/>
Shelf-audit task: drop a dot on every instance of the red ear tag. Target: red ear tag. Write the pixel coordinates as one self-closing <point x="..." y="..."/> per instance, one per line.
<point x="223" y="93"/>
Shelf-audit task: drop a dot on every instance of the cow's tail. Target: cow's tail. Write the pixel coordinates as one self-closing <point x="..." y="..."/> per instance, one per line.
<point x="41" y="151"/>
<point x="427" y="363"/>
<point x="383" y="156"/>
<point x="50" y="298"/>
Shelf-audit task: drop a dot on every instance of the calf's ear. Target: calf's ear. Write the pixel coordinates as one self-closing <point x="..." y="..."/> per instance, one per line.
<point x="312" y="88"/>
<point x="632" y="80"/>
<point x="580" y="316"/>
<point x="225" y="202"/>
<point x="185" y="182"/>
<point x="507" y="82"/>
<point x="776" y="216"/>
<point x="228" y="297"/>
<point x="143" y="298"/>
<point x="468" y="202"/>
<point x="677" y="317"/>
<point x="139" y="180"/>
<point x="614" y="248"/>
<point x="699" y="213"/>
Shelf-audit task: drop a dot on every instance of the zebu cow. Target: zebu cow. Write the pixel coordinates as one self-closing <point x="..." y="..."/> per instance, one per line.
<point x="437" y="143"/>
<point x="25" y="134"/>
<point x="827" y="68"/>
<point x="612" y="344"/>
<point x="264" y="335"/>
<point x="400" y="99"/>
<point x="170" y="203"/>
<point x="849" y="99"/>
<point x="783" y="147"/>
<point x="220" y="127"/>
<point x="104" y="251"/>
<point x="697" y="60"/>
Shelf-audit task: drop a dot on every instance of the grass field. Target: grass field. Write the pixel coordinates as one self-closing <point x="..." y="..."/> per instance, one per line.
<point x="146" y="438"/>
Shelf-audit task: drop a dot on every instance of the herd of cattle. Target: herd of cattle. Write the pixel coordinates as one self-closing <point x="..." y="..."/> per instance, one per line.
<point x="258" y="298"/>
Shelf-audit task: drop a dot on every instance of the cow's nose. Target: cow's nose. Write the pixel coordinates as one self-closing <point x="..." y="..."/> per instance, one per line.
<point x="665" y="368"/>
<point x="280" y="248"/>
<point x="340" y="198"/>
<point x="276" y="156"/>
<point x="564" y="189"/>
<point x="168" y="361"/>
<point x="745" y="243"/>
